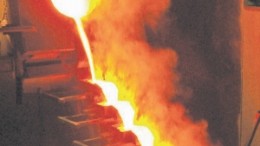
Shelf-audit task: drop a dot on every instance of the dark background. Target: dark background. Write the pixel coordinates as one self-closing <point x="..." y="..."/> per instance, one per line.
<point x="206" y="36"/>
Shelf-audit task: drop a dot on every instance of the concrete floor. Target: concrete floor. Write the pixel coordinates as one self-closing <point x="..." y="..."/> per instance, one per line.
<point x="19" y="124"/>
<point x="27" y="124"/>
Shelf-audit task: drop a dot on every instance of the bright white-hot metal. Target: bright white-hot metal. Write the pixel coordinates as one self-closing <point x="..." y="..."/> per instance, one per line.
<point x="86" y="45"/>
<point x="72" y="8"/>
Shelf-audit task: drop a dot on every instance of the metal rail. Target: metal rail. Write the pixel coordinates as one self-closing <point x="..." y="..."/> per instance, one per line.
<point x="254" y="131"/>
<point x="16" y="29"/>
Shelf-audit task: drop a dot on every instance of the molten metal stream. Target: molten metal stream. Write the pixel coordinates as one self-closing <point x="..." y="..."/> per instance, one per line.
<point x="77" y="9"/>
<point x="86" y="46"/>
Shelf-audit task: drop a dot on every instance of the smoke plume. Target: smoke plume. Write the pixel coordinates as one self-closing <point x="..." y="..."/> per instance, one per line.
<point x="144" y="75"/>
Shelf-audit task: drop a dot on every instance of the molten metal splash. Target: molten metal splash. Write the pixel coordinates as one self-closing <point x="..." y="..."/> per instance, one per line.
<point x="77" y="9"/>
<point x="126" y="112"/>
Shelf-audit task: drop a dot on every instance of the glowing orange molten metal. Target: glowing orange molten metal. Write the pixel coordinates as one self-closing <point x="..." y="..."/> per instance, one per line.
<point x="126" y="112"/>
<point x="77" y="9"/>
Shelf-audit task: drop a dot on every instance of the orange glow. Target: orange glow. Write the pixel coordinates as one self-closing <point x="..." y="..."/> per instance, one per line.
<point x="250" y="35"/>
<point x="142" y="77"/>
<point x="144" y="74"/>
<point x="76" y="10"/>
<point x="127" y="114"/>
